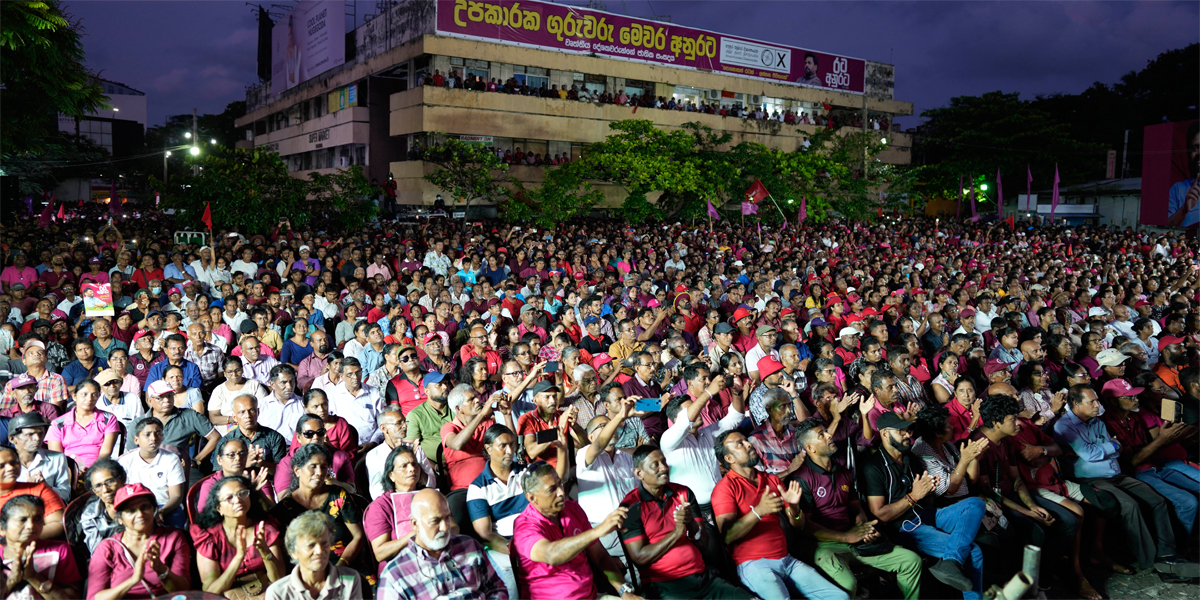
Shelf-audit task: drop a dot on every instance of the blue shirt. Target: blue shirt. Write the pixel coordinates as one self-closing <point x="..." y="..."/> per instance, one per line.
<point x="191" y="374"/>
<point x="75" y="372"/>
<point x="370" y="360"/>
<point x="1097" y="452"/>
<point x="487" y="496"/>
<point x="172" y="272"/>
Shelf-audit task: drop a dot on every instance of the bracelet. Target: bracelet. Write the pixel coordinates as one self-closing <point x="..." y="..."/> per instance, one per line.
<point x="911" y="502"/>
<point x="756" y="513"/>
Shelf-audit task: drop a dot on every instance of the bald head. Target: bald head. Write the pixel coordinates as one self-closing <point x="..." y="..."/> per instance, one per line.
<point x="1031" y="351"/>
<point x="431" y="520"/>
<point x="428" y="501"/>
<point x="1005" y="389"/>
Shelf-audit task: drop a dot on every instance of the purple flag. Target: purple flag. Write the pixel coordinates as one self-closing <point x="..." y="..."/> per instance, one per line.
<point x="999" y="196"/>
<point x="749" y="208"/>
<point x="1054" y="194"/>
<point x="114" y="203"/>
<point x="1028" y="183"/>
<point x="803" y="214"/>
<point x="712" y="211"/>
<point x="972" y="180"/>
<point x="960" y="196"/>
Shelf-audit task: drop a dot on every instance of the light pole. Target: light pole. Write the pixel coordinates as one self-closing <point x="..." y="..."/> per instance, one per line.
<point x="165" y="155"/>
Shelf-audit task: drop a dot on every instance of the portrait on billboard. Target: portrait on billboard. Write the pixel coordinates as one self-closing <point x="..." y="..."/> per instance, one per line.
<point x="811" y="74"/>
<point x="1183" y="200"/>
<point x="1171" y="163"/>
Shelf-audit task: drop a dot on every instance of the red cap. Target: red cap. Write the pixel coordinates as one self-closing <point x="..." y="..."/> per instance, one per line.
<point x="768" y="366"/>
<point x="1168" y="340"/>
<point x="141" y="334"/>
<point x="740" y="314"/>
<point x="1141" y="303"/>
<point x="993" y="365"/>
<point x="132" y="492"/>
<point x="1119" y="388"/>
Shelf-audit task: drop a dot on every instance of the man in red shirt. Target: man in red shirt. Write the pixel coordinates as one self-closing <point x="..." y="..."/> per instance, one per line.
<point x="462" y="444"/>
<point x="148" y="272"/>
<point x="478" y="346"/>
<point x="664" y="532"/>
<point x="747" y="503"/>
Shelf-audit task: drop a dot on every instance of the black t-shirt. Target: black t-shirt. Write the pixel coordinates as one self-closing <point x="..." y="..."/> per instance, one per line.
<point x="883" y="476"/>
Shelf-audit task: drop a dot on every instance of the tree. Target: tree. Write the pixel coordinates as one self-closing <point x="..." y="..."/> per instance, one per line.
<point x="249" y="190"/>
<point x="61" y="158"/>
<point x="41" y="74"/>
<point x="468" y="172"/>
<point x="563" y="194"/>
<point x="344" y="196"/>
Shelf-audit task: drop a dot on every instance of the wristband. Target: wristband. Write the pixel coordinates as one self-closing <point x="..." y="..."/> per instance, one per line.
<point x="756" y="513"/>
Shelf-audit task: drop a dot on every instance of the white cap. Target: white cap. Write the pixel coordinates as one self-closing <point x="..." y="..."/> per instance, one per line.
<point x="1097" y="311"/>
<point x="848" y="331"/>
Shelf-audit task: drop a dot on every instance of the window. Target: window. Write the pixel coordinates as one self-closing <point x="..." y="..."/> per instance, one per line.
<point x="534" y="82"/>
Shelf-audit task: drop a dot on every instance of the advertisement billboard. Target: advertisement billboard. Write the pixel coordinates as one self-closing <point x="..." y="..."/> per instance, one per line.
<point x="1170" y="190"/>
<point x="571" y="29"/>
<point x="307" y="42"/>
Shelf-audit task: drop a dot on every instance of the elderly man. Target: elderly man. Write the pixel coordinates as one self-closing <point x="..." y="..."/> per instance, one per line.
<point x="358" y="404"/>
<point x="1142" y="510"/>
<point x="391" y="423"/>
<point x="255" y="363"/>
<point x="664" y="533"/>
<point x="205" y="355"/>
<point x="605" y="475"/>
<point x="558" y="549"/>
<point x="462" y="442"/>
<point x="280" y="410"/>
<point x="51" y="387"/>
<point x="765" y="336"/>
<point x="775" y="440"/>
<point x="437" y="563"/>
<point x="26" y="432"/>
<point x="266" y="446"/>
<point x="773" y="378"/>
<point x="25" y="388"/>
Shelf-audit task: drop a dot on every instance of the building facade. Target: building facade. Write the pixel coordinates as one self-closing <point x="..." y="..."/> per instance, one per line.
<point x="381" y="106"/>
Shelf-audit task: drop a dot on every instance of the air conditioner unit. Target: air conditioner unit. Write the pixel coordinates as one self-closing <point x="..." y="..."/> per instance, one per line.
<point x="712" y="94"/>
<point x="343" y="161"/>
<point x="755" y="99"/>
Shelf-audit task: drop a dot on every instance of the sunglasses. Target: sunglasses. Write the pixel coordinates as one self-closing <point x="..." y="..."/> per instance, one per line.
<point x="408" y="358"/>
<point x="312" y="433"/>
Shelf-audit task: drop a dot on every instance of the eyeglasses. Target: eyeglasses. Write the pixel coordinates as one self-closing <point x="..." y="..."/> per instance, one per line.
<point x="312" y="433"/>
<point x="112" y="383"/>
<point x="516" y="373"/>
<point x="408" y="358"/>
<point x="233" y="455"/>
<point x="108" y="484"/>
<point x="238" y="495"/>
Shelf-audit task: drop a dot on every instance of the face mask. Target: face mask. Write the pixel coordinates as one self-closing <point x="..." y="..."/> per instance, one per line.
<point x="155" y="290"/>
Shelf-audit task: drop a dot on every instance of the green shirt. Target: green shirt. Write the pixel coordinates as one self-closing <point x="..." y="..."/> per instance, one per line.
<point x="425" y="426"/>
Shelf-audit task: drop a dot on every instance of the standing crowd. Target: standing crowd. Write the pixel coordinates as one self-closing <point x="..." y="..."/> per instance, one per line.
<point x="482" y="410"/>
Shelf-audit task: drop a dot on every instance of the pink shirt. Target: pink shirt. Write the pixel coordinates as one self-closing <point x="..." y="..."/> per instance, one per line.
<point x="572" y="579"/>
<point x="877" y="411"/>
<point x="83" y="443"/>
<point x="112" y="564"/>
<point x="27" y="276"/>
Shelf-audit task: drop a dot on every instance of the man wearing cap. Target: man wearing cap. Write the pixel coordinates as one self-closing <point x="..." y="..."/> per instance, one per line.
<point x="180" y="426"/>
<point x="722" y="343"/>
<point x="1143" y="512"/>
<point x="595" y="341"/>
<point x="1172" y="359"/>
<point x="847" y="350"/>
<point x="899" y="496"/>
<point x="45" y="387"/>
<point x="126" y="406"/>
<point x="765" y="337"/>
<point x="426" y="420"/>
<point x="744" y="339"/>
<point x="312" y="266"/>
<point x="1150" y="449"/>
<point x="26" y="432"/>
<point x="157" y="469"/>
<point x="771" y="370"/>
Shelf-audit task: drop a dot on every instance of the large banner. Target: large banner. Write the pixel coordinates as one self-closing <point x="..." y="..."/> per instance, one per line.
<point x="571" y="29"/>
<point x="307" y="42"/>
<point x="1170" y="163"/>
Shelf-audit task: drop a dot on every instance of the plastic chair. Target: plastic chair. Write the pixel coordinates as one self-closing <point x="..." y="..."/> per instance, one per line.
<point x="192" y="500"/>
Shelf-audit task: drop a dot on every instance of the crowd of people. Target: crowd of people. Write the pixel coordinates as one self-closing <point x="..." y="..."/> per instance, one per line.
<point x="485" y="410"/>
<point x="597" y="94"/>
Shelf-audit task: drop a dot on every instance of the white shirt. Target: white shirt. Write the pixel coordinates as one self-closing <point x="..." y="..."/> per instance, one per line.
<point x="329" y="309"/>
<point x="162" y="472"/>
<point x="1124" y="328"/>
<point x="54" y="471"/>
<point x="127" y="412"/>
<point x="249" y="268"/>
<point x="234" y="322"/>
<point x="678" y="264"/>
<point x="440" y="263"/>
<point x="756" y="354"/>
<point x="693" y="462"/>
<point x="280" y="417"/>
<point x="604" y="483"/>
<point x="983" y="321"/>
<point x="352" y="348"/>
<point x="358" y="409"/>
<point x="375" y="464"/>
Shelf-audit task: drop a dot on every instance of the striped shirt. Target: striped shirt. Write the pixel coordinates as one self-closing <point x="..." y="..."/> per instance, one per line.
<point x="488" y="496"/>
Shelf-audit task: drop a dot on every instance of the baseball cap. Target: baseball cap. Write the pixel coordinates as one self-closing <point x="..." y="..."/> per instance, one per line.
<point x="966" y="312"/>
<point x="740" y="314"/>
<point x="768" y="366"/>
<point x="160" y="388"/>
<point x="1168" y="340"/>
<point x="590" y="320"/>
<point x="994" y="365"/>
<point x="33" y="343"/>
<point x="131" y="491"/>
<point x="891" y="420"/>
<point x="94" y="260"/>
<point x="723" y="328"/>
<point x="432" y="377"/>
<point x="818" y="322"/>
<point x="108" y="375"/>
<point x="1141" y="303"/>
<point x="1110" y="357"/>
<point x="17" y="286"/>
<point x="140" y="334"/>
<point x="1119" y="388"/>
<point x="544" y="386"/>
<point x="848" y="331"/>
<point x="174" y="291"/>
<point x="1097" y="311"/>
<point x="430" y="337"/>
<point x="23" y="380"/>
<point x="155" y="312"/>
<point x="764" y="329"/>
<point x="601" y="359"/>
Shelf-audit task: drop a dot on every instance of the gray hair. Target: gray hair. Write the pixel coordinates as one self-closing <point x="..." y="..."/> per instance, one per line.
<point x="531" y="481"/>
<point x="458" y="396"/>
<point x="582" y="371"/>
<point x="570" y="352"/>
<point x="312" y="524"/>
<point x="775" y="396"/>
<point x="392" y="408"/>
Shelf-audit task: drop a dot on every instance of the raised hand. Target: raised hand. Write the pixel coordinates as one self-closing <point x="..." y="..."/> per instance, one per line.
<point x="922" y="485"/>
<point x="793" y="493"/>
<point x="865" y="405"/>
<point x="239" y="541"/>
<point x="260" y="540"/>
<point x="970" y="450"/>
<point x="769" y="504"/>
<point x="683" y="514"/>
<point x="614" y="520"/>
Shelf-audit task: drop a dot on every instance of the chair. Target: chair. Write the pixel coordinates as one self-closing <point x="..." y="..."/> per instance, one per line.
<point x="192" y="500"/>
<point x="74" y="532"/>
<point x="73" y="469"/>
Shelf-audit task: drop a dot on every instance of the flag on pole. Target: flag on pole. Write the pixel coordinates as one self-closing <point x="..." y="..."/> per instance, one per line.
<point x="1012" y="223"/>
<point x="62" y="216"/>
<point x="712" y="211"/>
<point x="756" y="192"/>
<point x="803" y="214"/>
<point x="972" y="199"/>
<point x="749" y="208"/>
<point x="999" y="195"/>
<point x="1028" y="183"/>
<point x="207" y="217"/>
<point x="114" y="203"/>
<point x="960" y="192"/>
<point x="44" y="219"/>
<point x="1054" y="194"/>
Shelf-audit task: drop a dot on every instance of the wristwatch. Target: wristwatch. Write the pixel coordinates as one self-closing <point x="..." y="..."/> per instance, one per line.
<point x="626" y="589"/>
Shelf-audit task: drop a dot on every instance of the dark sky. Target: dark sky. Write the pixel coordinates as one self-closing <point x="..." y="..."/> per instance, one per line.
<point x="202" y="54"/>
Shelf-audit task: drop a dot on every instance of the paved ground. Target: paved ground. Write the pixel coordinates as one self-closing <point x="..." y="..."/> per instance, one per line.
<point x="1146" y="584"/>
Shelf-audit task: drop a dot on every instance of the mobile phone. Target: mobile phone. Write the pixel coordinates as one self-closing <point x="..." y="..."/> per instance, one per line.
<point x="1172" y="411"/>
<point x="552" y="366"/>
<point x="648" y="405"/>
<point x="546" y="436"/>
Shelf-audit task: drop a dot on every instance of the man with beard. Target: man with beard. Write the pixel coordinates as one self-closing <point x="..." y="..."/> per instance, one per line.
<point x="898" y="491"/>
<point x="810" y="71"/>
<point x="437" y="563"/>
<point x="747" y="504"/>
<point x="314" y="364"/>
<point x="664" y="534"/>
<point x="1172" y="359"/>
<point x="1184" y="196"/>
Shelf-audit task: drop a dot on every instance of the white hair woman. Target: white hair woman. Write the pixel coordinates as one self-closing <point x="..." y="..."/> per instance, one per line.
<point x="308" y="542"/>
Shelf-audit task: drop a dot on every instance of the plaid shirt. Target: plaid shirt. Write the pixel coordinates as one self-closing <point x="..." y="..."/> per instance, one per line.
<point x="209" y="363"/>
<point x="414" y="575"/>
<point x="775" y="453"/>
<point x="52" y="388"/>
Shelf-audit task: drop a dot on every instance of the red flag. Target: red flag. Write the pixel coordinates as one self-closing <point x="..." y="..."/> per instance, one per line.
<point x="44" y="219"/>
<point x="61" y="212"/>
<point x="756" y="192"/>
<point x="206" y="218"/>
<point x="1012" y="224"/>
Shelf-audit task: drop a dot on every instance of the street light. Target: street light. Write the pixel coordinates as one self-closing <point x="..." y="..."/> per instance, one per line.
<point x="214" y="141"/>
<point x="195" y="151"/>
<point x="983" y="187"/>
<point x="187" y="134"/>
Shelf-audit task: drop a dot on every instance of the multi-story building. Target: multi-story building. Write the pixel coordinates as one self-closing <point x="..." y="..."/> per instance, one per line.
<point x="379" y="106"/>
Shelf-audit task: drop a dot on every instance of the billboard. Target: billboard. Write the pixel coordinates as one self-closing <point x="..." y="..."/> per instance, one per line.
<point x="307" y="42"/>
<point x="571" y="29"/>
<point x="1170" y="163"/>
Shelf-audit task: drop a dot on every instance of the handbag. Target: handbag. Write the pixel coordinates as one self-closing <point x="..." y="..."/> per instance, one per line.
<point x="251" y="586"/>
<point x="876" y="547"/>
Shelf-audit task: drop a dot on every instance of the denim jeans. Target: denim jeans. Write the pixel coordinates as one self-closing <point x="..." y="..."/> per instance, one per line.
<point x="1179" y="483"/>
<point x="503" y="566"/>
<point x="953" y="539"/>
<point x="778" y="579"/>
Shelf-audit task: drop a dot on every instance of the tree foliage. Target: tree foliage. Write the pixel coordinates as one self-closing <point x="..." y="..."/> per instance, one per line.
<point x="468" y="172"/>
<point x="42" y="74"/>
<point x="564" y="193"/>
<point x="344" y="196"/>
<point x="59" y="159"/>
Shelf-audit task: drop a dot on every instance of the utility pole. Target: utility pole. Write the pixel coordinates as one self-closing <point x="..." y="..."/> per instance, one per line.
<point x="1125" y="155"/>
<point x="195" y="142"/>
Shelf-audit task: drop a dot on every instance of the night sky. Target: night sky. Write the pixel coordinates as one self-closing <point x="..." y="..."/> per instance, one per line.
<point x="203" y="54"/>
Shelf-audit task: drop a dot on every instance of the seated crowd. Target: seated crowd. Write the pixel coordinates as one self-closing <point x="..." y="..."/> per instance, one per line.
<point x="597" y="411"/>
